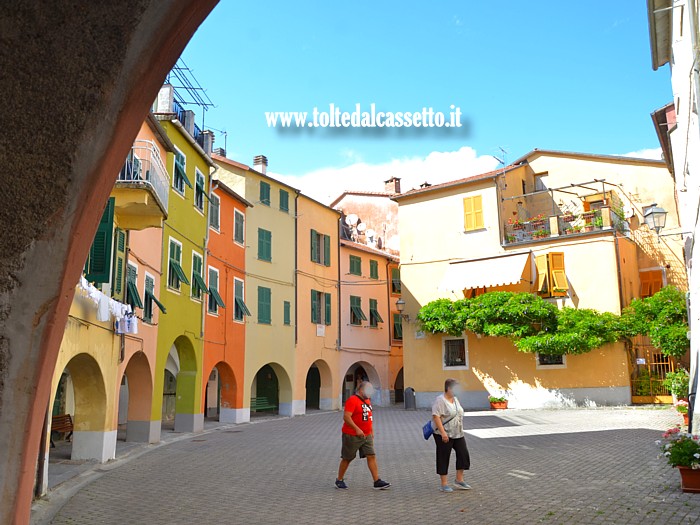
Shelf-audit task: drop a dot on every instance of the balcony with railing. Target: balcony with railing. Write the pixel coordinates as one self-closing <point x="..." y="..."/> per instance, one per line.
<point x="577" y="210"/>
<point x="142" y="188"/>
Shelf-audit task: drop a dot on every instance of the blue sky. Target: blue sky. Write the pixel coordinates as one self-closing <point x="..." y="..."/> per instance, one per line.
<point x="553" y="75"/>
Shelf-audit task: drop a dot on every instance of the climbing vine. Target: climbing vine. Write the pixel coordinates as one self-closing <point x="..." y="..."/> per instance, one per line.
<point x="536" y="325"/>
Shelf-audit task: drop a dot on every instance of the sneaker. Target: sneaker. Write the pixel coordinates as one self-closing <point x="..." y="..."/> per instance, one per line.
<point x="446" y="488"/>
<point x="340" y="484"/>
<point x="381" y="485"/>
<point x="462" y="485"/>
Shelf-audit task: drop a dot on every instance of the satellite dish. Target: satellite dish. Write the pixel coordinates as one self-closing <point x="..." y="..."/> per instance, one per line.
<point x="370" y="233"/>
<point x="628" y="211"/>
<point x="361" y="227"/>
<point x="352" y="219"/>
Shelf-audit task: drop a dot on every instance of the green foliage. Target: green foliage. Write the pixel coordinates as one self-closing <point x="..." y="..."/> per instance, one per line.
<point x="677" y="382"/>
<point x="680" y="449"/>
<point x="536" y="325"/>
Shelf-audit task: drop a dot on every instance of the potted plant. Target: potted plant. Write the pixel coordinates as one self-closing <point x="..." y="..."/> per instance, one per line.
<point x="568" y="217"/>
<point x="498" y="402"/>
<point x="682" y="450"/>
<point x="577" y="229"/>
<point x="588" y="216"/>
<point x="538" y="220"/>
<point x="677" y="384"/>
<point x="588" y="227"/>
<point x="598" y="222"/>
<point x="568" y="231"/>
<point x="682" y="408"/>
<point x="515" y="223"/>
<point x="510" y="238"/>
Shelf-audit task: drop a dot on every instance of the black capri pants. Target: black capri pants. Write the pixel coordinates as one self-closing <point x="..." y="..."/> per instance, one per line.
<point x="443" y="451"/>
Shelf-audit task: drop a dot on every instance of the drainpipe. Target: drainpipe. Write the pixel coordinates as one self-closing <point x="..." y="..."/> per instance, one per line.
<point x="296" y="267"/>
<point x="340" y="332"/>
<point x="388" y="302"/>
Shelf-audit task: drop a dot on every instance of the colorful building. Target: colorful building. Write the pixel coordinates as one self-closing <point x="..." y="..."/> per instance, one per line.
<point x="370" y="326"/>
<point x="270" y="285"/>
<point x="178" y="381"/>
<point x="317" y="377"/>
<point x="103" y="378"/>
<point x="566" y="226"/>
<point x="227" y="312"/>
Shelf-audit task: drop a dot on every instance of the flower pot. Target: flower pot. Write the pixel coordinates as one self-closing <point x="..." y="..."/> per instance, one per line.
<point x="518" y="226"/>
<point x="568" y="218"/>
<point x="685" y="419"/>
<point x="588" y="228"/>
<point x="537" y="223"/>
<point x="498" y="405"/>
<point x="690" y="479"/>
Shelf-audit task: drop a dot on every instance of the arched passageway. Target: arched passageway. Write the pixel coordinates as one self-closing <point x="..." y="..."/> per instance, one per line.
<point x="97" y="85"/>
<point x="180" y="411"/>
<point x="271" y="391"/>
<point x="220" y="400"/>
<point x="319" y="387"/>
<point x="398" y="388"/>
<point x="135" y="399"/>
<point x="358" y="372"/>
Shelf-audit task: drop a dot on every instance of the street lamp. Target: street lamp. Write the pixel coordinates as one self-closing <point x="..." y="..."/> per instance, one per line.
<point x="400" y="307"/>
<point x="655" y="218"/>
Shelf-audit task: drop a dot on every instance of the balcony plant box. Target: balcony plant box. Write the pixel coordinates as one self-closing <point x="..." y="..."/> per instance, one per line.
<point x="498" y="403"/>
<point x="588" y="216"/>
<point x="568" y="217"/>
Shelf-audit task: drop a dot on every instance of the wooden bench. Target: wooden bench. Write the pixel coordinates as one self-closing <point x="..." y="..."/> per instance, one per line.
<point x="61" y="423"/>
<point x="261" y="403"/>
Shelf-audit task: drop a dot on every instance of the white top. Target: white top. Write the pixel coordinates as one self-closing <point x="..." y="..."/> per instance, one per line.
<point x="445" y="410"/>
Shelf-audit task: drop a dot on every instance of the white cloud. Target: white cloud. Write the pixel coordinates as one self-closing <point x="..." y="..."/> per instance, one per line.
<point x="326" y="184"/>
<point x="649" y="153"/>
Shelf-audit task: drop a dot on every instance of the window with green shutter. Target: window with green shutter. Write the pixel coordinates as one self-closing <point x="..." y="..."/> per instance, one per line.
<point x="327" y="317"/>
<point x="316" y="306"/>
<point x="215" y="301"/>
<point x="287" y="313"/>
<point x="398" y="327"/>
<point x="119" y="261"/>
<point x="264" y="245"/>
<point x="100" y="255"/>
<point x="180" y="175"/>
<point x="240" y="309"/>
<point x="264" y="305"/>
<point x="315" y="251"/>
<point x="132" y="293"/>
<point x="355" y="265"/>
<point x="373" y="269"/>
<point x="238" y="227"/>
<point x="149" y="299"/>
<point x="327" y="250"/>
<point x="214" y="211"/>
<point x="198" y="284"/>
<point x="284" y="200"/>
<point x="395" y="281"/>
<point x="176" y="274"/>
<point x="356" y="313"/>
<point x="374" y="317"/>
<point x="264" y="193"/>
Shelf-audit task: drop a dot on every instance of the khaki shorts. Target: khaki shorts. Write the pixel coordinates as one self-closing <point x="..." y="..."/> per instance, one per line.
<point x="351" y="444"/>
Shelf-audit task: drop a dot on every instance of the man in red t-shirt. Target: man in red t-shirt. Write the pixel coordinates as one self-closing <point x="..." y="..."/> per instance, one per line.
<point x="358" y="435"/>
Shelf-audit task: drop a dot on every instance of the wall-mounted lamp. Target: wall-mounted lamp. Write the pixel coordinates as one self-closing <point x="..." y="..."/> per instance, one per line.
<point x="655" y="218"/>
<point x="400" y="307"/>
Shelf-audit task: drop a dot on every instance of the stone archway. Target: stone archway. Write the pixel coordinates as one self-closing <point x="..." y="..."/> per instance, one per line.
<point x="319" y="387"/>
<point x="357" y="372"/>
<point x="180" y="388"/>
<point x="96" y="68"/>
<point x="138" y="398"/>
<point x="272" y="382"/>
<point x="220" y="400"/>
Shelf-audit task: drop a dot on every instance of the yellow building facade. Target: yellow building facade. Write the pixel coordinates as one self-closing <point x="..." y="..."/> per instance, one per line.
<point x="566" y="226"/>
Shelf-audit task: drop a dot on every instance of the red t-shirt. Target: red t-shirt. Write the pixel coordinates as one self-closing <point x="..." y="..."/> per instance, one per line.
<point x="361" y="415"/>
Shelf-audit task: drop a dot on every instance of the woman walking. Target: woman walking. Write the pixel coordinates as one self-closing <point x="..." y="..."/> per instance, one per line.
<point x="448" y="420"/>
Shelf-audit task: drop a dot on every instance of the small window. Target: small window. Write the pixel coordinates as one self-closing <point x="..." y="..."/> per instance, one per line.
<point x="550" y="361"/>
<point x="373" y="269"/>
<point x="395" y="281"/>
<point x="214" y="207"/>
<point x="356" y="313"/>
<point x="198" y="284"/>
<point x="264" y="305"/>
<point x="287" y="313"/>
<point x="215" y="301"/>
<point x="238" y="227"/>
<point x="180" y="175"/>
<point x="264" y="245"/>
<point x="264" y="193"/>
<point x="355" y="265"/>
<point x="240" y="308"/>
<point x="176" y="274"/>
<point x="284" y="200"/>
<point x="320" y="248"/>
<point x="199" y="191"/>
<point x="374" y="317"/>
<point x="316" y="298"/>
<point x="454" y="353"/>
<point x="397" y="331"/>
<point x="539" y="182"/>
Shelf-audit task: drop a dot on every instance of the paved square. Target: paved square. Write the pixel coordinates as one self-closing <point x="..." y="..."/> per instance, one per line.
<point x="558" y="466"/>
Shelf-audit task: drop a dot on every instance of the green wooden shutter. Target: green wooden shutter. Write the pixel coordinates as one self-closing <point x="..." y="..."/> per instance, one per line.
<point x="314" y="246"/>
<point x="264" y="245"/>
<point x="264" y="305"/>
<point x="119" y="261"/>
<point x="99" y="263"/>
<point x="264" y="193"/>
<point x="327" y="318"/>
<point x="148" y="300"/>
<point x="327" y="250"/>
<point x="239" y="222"/>
<point x="314" y="306"/>
<point x="287" y="313"/>
<point x="284" y="200"/>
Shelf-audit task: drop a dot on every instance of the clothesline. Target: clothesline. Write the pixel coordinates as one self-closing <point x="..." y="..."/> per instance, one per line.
<point x="107" y="308"/>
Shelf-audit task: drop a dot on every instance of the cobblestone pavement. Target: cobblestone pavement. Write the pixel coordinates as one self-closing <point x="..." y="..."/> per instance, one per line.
<point x="557" y="466"/>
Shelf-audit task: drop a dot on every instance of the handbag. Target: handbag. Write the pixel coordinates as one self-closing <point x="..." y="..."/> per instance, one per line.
<point x="428" y="427"/>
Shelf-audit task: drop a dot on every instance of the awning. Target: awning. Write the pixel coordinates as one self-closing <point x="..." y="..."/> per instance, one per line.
<point x="217" y="298"/>
<point x="132" y="295"/>
<point x="199" y="281"/>
<point x="486" y="273"/>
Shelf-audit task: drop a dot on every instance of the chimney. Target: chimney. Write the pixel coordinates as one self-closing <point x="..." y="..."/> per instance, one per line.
<point x="221" y="152"/>
<point x="164" y="102"/>
<point x="260" y="163"/>
<point x="188" y="124"/>
<point x="207" y="139"/>
<point x="393" y="185"/>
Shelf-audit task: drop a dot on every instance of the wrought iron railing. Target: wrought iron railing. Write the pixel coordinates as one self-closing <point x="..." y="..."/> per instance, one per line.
<point x="144" y="166"/>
